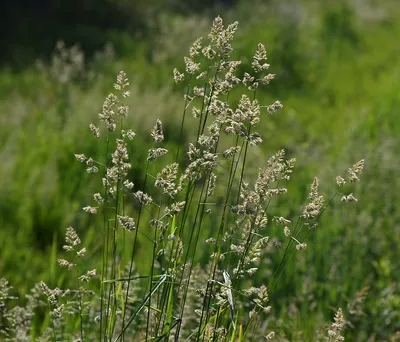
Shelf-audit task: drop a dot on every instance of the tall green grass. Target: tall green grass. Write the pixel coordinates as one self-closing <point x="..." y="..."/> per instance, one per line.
<point x="341" y="105"/>
<point x="205" y="230"/>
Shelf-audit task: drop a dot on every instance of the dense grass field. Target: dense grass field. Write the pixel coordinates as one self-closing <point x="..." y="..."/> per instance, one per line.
<point x="337" y="74"/>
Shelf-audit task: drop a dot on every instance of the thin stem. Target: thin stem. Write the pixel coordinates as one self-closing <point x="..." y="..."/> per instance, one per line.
<point x="182" y="121"/>
<point x="134" y="248"/>
<point x="104" y="247"/>
<point x="273" y="280"/>
<point x="80" y="310"/>
<point x="152" y="274"/>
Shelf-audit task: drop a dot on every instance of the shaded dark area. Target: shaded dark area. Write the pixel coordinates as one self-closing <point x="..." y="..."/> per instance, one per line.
<point x="30" y="29"/>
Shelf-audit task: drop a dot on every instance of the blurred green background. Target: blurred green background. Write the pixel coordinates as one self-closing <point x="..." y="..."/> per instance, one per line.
<point x="337" y="66"/>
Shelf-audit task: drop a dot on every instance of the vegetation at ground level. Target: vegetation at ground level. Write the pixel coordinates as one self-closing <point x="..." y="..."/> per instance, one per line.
<point x="336" y="67"/>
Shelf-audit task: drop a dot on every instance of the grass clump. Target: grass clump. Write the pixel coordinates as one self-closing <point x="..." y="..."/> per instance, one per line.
<point x="182" y="251"/>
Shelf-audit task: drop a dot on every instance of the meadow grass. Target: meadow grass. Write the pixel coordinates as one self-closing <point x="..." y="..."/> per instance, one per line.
<point x="178" y="254"/>
<point x="341" y="103"/>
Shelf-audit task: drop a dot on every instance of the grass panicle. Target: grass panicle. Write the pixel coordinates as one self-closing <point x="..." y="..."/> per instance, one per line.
<point x="184" y="247"/>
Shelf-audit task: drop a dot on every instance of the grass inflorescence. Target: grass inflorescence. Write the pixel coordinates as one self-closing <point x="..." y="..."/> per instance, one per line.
<point x="180" y="251"/>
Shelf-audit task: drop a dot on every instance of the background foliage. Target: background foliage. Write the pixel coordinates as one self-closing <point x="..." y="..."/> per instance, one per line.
<point x="337" y="73"/>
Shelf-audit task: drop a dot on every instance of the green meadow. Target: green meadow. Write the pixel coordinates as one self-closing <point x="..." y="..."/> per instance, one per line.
<point x="337" y="74"/>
